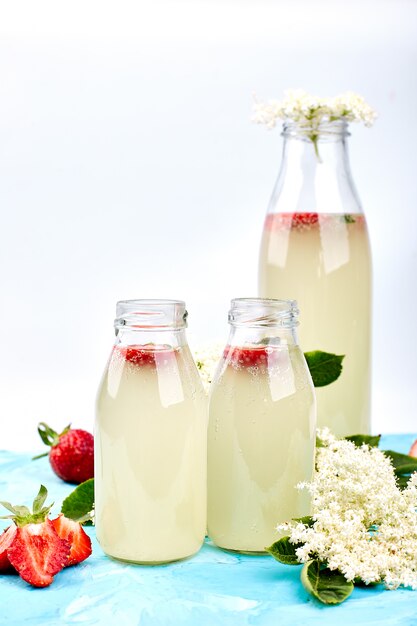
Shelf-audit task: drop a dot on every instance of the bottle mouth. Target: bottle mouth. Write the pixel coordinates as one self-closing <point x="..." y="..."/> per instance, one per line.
<point x="322" y="129"/>
<point x="151" y="314"/>
<point x="263" y="313"/>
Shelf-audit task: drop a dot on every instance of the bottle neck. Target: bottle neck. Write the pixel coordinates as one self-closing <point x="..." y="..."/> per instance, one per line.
<point x="172" y="338"/>
<point x="264" y="321"/>
<point x="151" y="323"/>
<point x="247" y="336"/>
<point x="315" y="173"/>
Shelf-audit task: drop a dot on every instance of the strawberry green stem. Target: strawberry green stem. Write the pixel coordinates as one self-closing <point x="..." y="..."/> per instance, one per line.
<point x="39" y="456"/>
<point x="21" y="515"/>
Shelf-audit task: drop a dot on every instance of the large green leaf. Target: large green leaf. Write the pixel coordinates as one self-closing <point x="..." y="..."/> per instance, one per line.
<point x="370" y="440"/>
<point x="284" y="551"/>
<point x="324" y="367"/>
<point x="328" y="586"/>
<point x="80" y="503"/>
<point x="402" y="481"/>
<point x="402" y="463"/>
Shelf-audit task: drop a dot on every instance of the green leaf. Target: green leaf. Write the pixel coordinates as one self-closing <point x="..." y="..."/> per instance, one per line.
<point x="370" y="440"/>
<point x="40" y="456"/>
<point x="80" y="503"/>
<point x="307" y="520"/>
<point x="360" y="583"/>
<point x="8" y="506"/>
<point x="22" y="515"/>
<point x="21" y="511"/>
<point x="402" y="482"/>
<point x="328" y="586"/>
<point x="284" y="551"/>
<point x="324" y="367"/>
<point x="39" y="501"/>
<point x="66" y="430"/>
<point x="48" y="436"/>
<point x="402" y="463"/>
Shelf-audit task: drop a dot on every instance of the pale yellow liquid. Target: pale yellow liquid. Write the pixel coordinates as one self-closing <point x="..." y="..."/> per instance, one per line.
<point x="326" y="267"/>
<point x="150" y="446"/>
<point x="260" y="445"/>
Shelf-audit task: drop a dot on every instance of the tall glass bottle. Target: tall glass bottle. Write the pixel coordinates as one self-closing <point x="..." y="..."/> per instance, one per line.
<point x="261" y="427"/>
<point x="315" y="249"/>
<point x="150" y="439"/>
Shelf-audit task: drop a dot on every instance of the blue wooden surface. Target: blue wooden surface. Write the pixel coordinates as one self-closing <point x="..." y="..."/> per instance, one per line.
<point x="212" y="588"/>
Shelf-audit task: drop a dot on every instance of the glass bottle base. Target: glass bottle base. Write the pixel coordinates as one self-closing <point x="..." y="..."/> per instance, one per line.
<point x="238" y="551"/>
<point x="151" y="563"/>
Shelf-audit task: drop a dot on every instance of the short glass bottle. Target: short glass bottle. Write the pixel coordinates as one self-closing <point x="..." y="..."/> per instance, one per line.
<point x="315" y="248"/>
<point x="261" y="435"/>
<point x="150" y="439"/>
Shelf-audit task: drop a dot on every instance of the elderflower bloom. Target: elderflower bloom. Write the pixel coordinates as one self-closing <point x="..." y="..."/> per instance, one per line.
<point x="364" y="525"/>
<point x="206" y="359"/>
<point x="310" y="111"/>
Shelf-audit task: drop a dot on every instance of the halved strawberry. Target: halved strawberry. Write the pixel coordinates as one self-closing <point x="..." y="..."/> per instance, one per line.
<point x="148" y="354"/>
<point x="288" y="221"/>
<point x="35" y="550"/>
<point x="6" y="539"/>
<point x="247" y="357"/>
<point x="413" y="449"/>
<point x="300" y="220"/>
<point x="38" y="553"/>
<point x="78" y="539"/>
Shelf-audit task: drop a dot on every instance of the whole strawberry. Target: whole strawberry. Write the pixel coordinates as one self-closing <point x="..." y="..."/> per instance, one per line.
<point x="72" y="452"/>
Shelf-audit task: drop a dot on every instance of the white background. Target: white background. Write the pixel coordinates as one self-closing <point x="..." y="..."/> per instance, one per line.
<point x="129" y="168"/>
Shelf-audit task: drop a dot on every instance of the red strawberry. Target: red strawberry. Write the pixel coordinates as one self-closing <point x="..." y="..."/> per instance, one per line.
<point x="148" y="354"/>
<point x="35" y="549"/>
<point x="247" y="357"/>
<point x="72" y="452"/>
<point x="413" y="449"/>
<point x="300" y="220"/>
<point x="6" y="539"/>
<point x="78" y="539"/>
<point x="38" y="553"/>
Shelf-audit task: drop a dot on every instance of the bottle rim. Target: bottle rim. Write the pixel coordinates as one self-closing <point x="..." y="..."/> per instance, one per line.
<point x="324" y="129"/>
<point x="263" y="312"/>
<point x="151" y="314"/>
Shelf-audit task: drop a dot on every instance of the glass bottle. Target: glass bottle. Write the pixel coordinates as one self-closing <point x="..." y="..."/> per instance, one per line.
<point x="150" y="439"/>
<point x="315" y="248"/>
<point x="261" y="432"/>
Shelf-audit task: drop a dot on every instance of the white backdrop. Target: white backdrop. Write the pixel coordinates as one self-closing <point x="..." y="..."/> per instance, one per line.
<point x="129" y="168"/>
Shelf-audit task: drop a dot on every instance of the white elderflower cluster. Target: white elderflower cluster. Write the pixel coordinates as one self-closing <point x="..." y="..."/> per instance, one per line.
<point x="364" y="525"/>
<point x="306" y="109"/>
<point x="206" y="359"/>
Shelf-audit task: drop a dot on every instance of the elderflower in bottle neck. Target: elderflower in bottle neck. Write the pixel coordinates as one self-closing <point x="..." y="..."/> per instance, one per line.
<point x="315" y="172"/>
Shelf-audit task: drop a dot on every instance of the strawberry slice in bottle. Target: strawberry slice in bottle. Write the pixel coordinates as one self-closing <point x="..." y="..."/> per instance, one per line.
<point x="302" y="220"/>
<point x="142" y="355"/>
<point x="254" y="356"/>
